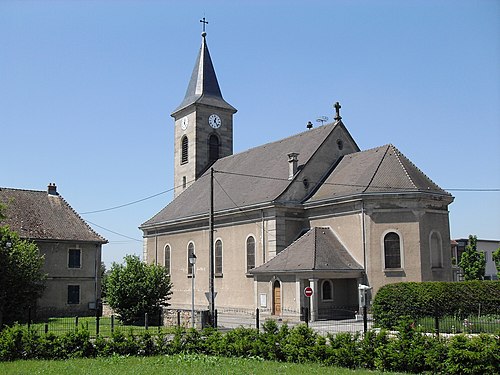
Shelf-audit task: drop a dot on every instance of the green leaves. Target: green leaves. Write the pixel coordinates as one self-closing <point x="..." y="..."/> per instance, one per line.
<point x="472" y="262"/>
<point x="21" y="276"/>
<point x="135" y="288"/>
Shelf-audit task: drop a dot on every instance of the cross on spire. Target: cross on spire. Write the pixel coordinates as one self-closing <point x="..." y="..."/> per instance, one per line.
<point x="204" y="22"/>
<point x="337" y="107"/>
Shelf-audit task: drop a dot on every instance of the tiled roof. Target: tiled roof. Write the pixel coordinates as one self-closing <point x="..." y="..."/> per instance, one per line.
<point x="317" y="250"/>
<point x="255" y="176"/>
<point x="203" y="86"/>
<point x="380" y="170"/>
<point x="38" y="215"/>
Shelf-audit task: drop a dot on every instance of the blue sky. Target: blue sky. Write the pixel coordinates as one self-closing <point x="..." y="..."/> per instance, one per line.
<point x="87" y="88"/>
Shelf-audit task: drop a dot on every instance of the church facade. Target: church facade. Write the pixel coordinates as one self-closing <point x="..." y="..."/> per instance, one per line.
<point x="311" y="210"/>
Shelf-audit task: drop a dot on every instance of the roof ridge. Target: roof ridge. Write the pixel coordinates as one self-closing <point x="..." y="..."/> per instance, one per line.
<point x="279" y="140"/>
<point x="397" y="153"/>
<point x="417" y="168"/>
<point x="81" y="218"/>
<point x="29" y="190"/>
<point x="315" y="247"/>
<point x="376" y="169"/>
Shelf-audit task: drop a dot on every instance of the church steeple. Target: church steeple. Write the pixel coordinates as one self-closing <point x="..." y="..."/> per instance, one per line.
<point x="203" y="86"/>
<point x="203" y="123"/>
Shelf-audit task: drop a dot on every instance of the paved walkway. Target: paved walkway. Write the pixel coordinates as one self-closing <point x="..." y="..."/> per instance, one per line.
<point x="233" y="320"/>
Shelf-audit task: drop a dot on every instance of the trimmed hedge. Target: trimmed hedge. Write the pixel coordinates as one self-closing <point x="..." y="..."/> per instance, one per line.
<point x="409" y="350"/>
<point x="435" y="299"/>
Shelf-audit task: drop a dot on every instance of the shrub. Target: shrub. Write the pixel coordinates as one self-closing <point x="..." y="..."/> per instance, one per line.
<point x="299" y="343"/>
<point x="241" y="342"/>
<point x="435" y="299"/>
<point x="11" y="343"/>
<point x="343" y="351"/>
<point x="76" y="345"/>
<point x="476" y="355"/>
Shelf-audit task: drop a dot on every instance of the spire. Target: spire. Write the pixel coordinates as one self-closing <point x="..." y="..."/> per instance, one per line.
<point x="203" y="86"/>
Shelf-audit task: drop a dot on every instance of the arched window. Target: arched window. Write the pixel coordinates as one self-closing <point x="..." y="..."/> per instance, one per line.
<point x="166" y="259"/>
<point x="392" y="250"/>
<point x="213" y="148"/>
<point x="327" y="290"/>
<point x="189" y="252"/>
<point x="184" y="150"/>
<point x="250" y="253"/>
<point x="218" y="257"/>
<point x="436" y="251"/>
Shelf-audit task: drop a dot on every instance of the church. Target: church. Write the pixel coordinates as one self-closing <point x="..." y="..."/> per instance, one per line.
<point x="254" y="229"/>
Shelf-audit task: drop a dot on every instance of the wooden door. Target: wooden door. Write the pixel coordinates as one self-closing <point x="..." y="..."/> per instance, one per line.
<point x="276" y="298"/>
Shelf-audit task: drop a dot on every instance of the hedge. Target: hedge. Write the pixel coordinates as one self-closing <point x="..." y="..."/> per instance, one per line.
<point x="435" y="299"/>
<point x="409" y="350"/>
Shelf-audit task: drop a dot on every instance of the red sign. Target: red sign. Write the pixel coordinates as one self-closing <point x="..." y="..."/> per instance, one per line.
<point x="308" y="292"/>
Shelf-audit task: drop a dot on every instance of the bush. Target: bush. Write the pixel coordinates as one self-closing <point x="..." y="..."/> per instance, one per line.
<point x="298" y="346"/>
<point x="476" y="355"/>
<point x="408" y="350"/>
<point x="435" y="299"/>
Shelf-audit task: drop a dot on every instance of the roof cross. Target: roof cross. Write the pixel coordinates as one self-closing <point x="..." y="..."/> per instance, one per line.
<point x="204" y="22"/>
<point x="337" y="107"/>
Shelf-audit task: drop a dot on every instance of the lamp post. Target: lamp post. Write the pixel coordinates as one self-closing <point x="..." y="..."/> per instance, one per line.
<point x="192" y="262"/>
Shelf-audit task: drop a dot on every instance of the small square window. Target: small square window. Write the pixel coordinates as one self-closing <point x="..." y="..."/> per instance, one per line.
<point x="73" y="294"/>
<point x="74" y="258"/>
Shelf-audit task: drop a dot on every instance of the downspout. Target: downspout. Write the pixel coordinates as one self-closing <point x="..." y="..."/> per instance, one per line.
<point x="96" y="269"/>
<point x="156" y="249"/>
<point x="263" y="237"/>
<point x="363" y="229"/>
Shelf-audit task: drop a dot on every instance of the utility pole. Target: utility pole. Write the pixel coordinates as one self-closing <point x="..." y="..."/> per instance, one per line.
<point x="211" y="254"/>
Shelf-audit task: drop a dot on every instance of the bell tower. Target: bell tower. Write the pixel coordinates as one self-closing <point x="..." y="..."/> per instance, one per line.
<point x="203" y="123"/>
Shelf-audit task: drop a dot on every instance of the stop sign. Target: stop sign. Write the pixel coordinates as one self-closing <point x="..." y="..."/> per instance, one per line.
<point x="308" y="292"/>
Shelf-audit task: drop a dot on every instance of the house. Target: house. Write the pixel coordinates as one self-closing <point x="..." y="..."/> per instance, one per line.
<point x="485" y="246"/>
<point x="72" y="250"/>
<point x="311" y="210"/>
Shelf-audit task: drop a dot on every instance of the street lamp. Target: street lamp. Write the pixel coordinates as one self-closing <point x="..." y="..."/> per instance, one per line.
<point x="192" y="262"/>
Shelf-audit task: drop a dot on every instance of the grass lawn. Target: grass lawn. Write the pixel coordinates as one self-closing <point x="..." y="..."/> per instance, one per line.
<point x="177" y="364"/>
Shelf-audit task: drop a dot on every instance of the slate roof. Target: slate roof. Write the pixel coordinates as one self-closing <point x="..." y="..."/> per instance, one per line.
<point x="203" y="86"/>
<point x="38" y="215"/>
<point x="256" y="176"/>
<point x="317" y="250"/>
<point x="380" y="170"/>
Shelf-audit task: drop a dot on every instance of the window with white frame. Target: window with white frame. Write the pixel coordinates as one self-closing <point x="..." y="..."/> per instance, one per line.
<point x="392" y="251"/>
<point x="166" y="259"/>
<point x="218" y="258"/>
<point x="250" y="253"/>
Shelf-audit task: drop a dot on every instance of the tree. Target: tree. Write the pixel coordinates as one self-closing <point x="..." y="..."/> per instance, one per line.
<point x="21" y="276"/>
<point x="496" y="259"/>
<point x="136" y="288"/>
<point x="473" y="262"/>
<point x="104" y="280"/>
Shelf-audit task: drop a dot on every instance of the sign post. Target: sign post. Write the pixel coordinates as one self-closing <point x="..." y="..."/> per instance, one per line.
<point x="308" y="292"/>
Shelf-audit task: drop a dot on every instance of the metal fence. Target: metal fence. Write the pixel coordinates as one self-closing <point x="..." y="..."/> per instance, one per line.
<point x="227" y="320"/>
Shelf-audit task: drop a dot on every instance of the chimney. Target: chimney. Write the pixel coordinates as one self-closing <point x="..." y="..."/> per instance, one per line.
<point x="292" y="164"/>
<point x="52" y="189"/>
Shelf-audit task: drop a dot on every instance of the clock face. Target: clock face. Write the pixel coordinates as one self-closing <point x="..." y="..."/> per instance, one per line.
<point x="214" y="121"/>
<point x="184" y="123"/>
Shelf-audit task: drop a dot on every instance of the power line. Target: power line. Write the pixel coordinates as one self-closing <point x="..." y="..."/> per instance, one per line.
<point x="470" y="190"/>
<point x="354" y="185"/>
<point x="126" y="204"/>
<point x="112" y="231"/>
